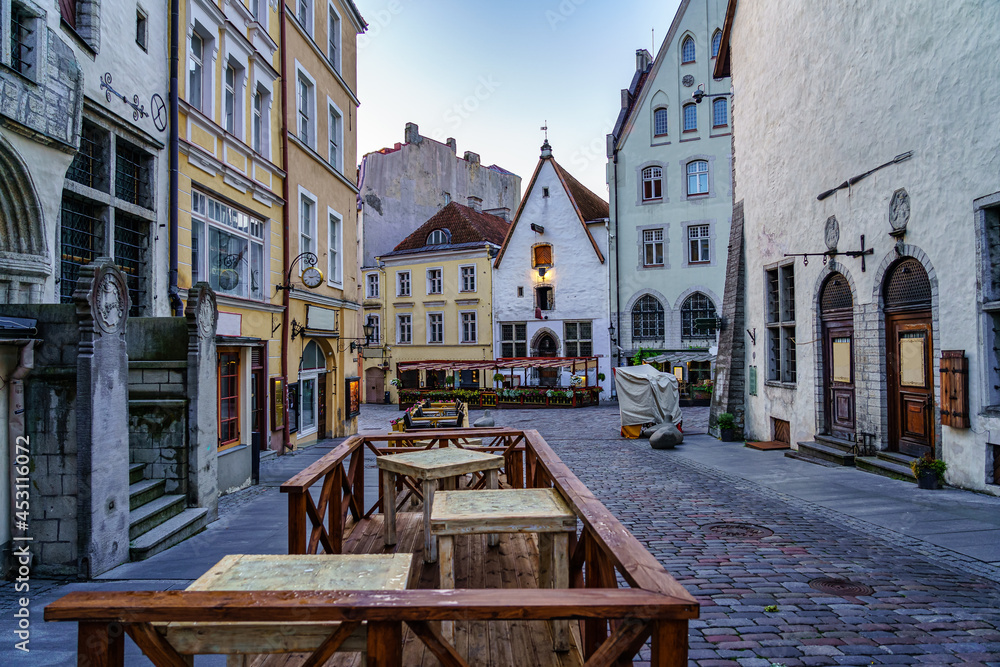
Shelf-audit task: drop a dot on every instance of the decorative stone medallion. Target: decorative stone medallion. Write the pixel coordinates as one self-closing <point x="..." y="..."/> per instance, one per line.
<point x="110" y="300"/>
<point x="688" y="80"/>
<point x="831" y="233"/>
<point x="899" y="210"/>
<point x="207" y="313"/>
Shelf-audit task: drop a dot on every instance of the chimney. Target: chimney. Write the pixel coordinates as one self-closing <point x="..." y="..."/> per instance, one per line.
<point x="499" y="212"/>
<point x="625" y="97"/>
<point x="642" y="60"/>
<point x="452" y="144"/>
<point x="472" y="157"/>
<point x="412" y="134"/>
<point x="476" y="203"/>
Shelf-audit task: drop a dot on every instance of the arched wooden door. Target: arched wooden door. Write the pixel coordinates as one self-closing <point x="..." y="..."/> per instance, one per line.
<point x="547" y="347"/>
<point x="837" y="314"/>
<point x="909" y="358"/>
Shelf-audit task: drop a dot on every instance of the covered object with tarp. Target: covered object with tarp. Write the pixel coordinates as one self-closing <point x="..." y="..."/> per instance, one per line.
<point x="646" y="396"/>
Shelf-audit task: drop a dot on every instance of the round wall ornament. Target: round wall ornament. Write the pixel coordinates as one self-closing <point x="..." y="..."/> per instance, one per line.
<point x="899" y="210"/>
<point x="110" y="300"/>
<point x="688" y="80"/>
<point x="831" y="233"/>
<point x="312" y="277"/>
<point x="207" y="313"/>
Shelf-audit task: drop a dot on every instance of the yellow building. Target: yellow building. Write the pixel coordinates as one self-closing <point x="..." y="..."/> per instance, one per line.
<point x="439" y="295"/>
<point x="321" y="79"/>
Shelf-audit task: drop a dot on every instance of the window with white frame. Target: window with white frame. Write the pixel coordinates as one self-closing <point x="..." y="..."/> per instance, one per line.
<point x="652" y="247"/>
<point x="438" y="237"/>
<point x="230" y="108"/>
<point x="334" y="137"/>
<point x="313" y="363"/>
<point x="470" y="334"/>
<point x="404" y="329"/>
<point x="257" y="124"/>
<point x="716" y="43"/>
<point x="304" y="14"/>
<point x="141" y="28"/>
<point x="780" y="285"/>
<point x="335" y="248"/>
<point x="697" y="177"/>
<point x="307" y="222"/>
<point x="691" y="117"/>
<point x="434" y="281"/>
<point x="578" y="339"/>
<point x="699" y="244"/>
<point x="720" y="112"/>
<point x="258" y="9"/>
<point x="513" y="339"/>
<point x="468" y="278"/>
<point x="435" y="327"/>
<point x="376" y="321"/>
<point x="402" y="283"/>
<point x="652" y="183"/>
<point x="196" y="72"/>
<point x="660" y="120"/>
<point x="371" y="285"/>
<point x="333" y="38"/>
<point x="687" y="50"/>
<point x="304" y="100"/>
<point x="227" y="248"/>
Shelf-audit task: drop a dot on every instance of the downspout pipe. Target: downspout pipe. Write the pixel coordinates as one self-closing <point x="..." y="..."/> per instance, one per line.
<point x="618" y="310"/>
<point x="173" y="185"/>
<point x="285" y="256"/>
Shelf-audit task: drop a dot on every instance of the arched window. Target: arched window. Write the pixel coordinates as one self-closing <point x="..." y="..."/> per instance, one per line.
<point x="439" y="237"/>
<point x="716" y="43"/>
<point x="690" y="117"/>
<point x="697" y="306"/>
<point x="660" y="122"/>
<point x="312" y="358"/>
<point x="647" y="318"/>
<point x="652" y="183"/>
<point x="720" y="112"/>
<point x="687" y="50"/>
<point x="697" y="173"/>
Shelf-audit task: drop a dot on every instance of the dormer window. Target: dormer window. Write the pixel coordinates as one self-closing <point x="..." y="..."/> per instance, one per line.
<point x="439" y="237"/>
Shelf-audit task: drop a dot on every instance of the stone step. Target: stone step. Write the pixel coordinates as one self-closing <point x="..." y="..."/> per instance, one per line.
<point x="835" y="442"/>
<point x="142" y="492"/>
<point x="896" y="457"/>
<point x="136" y="473"/>
<point x="825" y="452"/>
<point x="885" y="467"/>
<point x="172" y="531"/>
<point x="146" y="517"/>
<point x="810" y="459"/>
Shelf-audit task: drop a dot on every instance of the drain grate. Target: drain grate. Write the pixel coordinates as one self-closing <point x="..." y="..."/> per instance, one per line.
<point x="841" y="587"/>
<point x="747" y="530"/>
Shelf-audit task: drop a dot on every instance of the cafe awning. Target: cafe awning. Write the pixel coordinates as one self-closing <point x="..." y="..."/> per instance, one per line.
<point x="578" y="363"/>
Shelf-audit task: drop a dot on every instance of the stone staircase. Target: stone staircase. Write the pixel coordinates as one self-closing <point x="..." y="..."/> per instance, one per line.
<point x="825" y="450"/>
<point x="158" y="521"/>
<point x="887" y="464"/>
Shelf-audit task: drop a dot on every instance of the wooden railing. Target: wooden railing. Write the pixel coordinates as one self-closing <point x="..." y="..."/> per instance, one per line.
<point x="615" y="622"/>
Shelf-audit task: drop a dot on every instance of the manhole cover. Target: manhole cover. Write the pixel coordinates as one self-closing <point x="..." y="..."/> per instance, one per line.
<point x="738" y="530"/>
<point x="841" y="587"/>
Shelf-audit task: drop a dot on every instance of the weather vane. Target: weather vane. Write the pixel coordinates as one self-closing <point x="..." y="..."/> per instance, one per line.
<point x="545" y="129"/>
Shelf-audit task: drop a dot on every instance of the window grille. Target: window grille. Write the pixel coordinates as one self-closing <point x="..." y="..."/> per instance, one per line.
<point x="647" y="318"/>
<point x="720" y="113"/>
<point x="908" y="286"/>
<point x="87" y="166"/>
<point x="660" y="119"/>
<point x="697" y="306"/>
<point x="690" y="117"/>
<point x="781" y="324"/>
<point x="716" y="43"/>
<point x="514" y="340"/>
<point x="836" y="294"/>
<point x="579" y="339"/>
<point x="128" y="173"/>
<point x="131" y="242"/>
<point x="79" y="242"/>
<point x="20" y="39"/>
<point x="687" y="51"/>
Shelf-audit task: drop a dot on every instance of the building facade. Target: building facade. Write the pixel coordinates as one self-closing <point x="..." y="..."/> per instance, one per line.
<point x="886" y="339"/>
<point x="551" y="278"/>
<point x="439" y="295"/>
<point x="321" y="118"/>
<point x="669" y="176"/>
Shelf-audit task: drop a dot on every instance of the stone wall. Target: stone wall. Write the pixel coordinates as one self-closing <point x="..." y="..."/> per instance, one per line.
<point x="731" y="362"/>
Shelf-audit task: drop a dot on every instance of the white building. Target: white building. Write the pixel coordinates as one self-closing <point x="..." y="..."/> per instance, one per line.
<point x="550" y="278"/>
<point x="874" y="131"/>
<point x="669" y="176"/>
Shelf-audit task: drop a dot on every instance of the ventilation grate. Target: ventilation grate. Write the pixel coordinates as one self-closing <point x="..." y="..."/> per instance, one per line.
<point x="836" y="294"/>
<point x="908" y="285"/>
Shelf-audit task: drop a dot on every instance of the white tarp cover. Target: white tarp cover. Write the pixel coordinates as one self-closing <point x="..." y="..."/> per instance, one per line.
<point x="646" y="395"/>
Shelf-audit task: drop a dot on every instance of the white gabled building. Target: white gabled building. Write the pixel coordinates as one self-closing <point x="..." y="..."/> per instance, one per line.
<point x="550" y="278"/>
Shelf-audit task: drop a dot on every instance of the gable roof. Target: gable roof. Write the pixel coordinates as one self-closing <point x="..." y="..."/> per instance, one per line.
<point x="723" y="65"/>
<point x="467" y="226"/>
<point x="588" y="206"/>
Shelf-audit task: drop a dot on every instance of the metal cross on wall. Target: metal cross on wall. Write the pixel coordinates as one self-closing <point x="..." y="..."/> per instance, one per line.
<point x="830" y="254"/>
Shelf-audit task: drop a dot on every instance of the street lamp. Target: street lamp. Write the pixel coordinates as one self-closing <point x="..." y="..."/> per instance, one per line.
<point x="369" y="329"/>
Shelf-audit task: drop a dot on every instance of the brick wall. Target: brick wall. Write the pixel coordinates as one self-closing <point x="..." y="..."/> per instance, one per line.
<point x="730" y="364"/>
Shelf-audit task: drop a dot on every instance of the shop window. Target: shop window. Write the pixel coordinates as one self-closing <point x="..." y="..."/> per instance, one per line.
<point x="229" y="399"/>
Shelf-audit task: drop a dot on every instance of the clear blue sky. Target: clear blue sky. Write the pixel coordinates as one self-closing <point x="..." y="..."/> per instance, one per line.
<point x="490" y="73"/>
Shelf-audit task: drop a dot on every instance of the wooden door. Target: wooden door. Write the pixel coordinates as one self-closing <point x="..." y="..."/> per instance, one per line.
<point x="374" y="385"/>
<point x="838" y="377"/>
<point x="547" y="377"/>
<point x="321" y="431"/>
<point x="909" y="366"/>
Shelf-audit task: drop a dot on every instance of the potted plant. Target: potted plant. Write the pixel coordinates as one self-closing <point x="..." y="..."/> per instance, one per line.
<point x="449" y="380"/>
<point x="600" y="377"/>
<point x="498" y="379"/>
<point x="726" y="423"/>
<point x="929" y="471"/>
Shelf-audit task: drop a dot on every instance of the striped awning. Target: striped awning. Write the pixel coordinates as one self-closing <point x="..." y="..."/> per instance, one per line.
<point x="578" y="363"/>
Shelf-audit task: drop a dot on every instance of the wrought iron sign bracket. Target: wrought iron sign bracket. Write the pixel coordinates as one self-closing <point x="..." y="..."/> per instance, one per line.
<point x="308" y="259"/>
<point x="830" y="254"/>
<point x="138" y="110"/>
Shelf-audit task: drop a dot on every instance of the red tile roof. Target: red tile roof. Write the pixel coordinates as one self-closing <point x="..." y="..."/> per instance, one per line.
<point x="466" y="225"/>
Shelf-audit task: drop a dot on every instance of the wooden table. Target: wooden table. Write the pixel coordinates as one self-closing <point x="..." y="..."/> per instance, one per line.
<point x="541" y="511"/>
<point x="428" y="466"/>
<point x="285" y="573"/>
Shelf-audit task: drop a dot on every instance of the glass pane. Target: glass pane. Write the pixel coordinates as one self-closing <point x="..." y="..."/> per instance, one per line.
<point x="911" y="359"/>
<point x="256" y="271"/>
<point x="842" y="359"/>
<point x="307" y="404"/>
<point x="227" y="263"/>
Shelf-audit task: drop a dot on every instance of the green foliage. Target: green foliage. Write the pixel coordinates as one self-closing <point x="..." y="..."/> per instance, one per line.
<point x="928" y="463"/>
<point x="771" y="607"/>
<point x="449" y="380"/>
<point x="600" y="377"/>
<point x="643" y="353"/>
<point x="726" y="420"/>
<point x="498" y="377"/>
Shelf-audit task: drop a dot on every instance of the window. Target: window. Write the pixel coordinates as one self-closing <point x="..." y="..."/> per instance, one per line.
<point x="196" y="74"/>
<point x="720" y="112"/>
<point x="307" y="405"/>
<point x="660" y="119"/>
<point x="647" y="318"/>
<point x="404" y="329"/>
<point x="333" y="39"/>
<point x="304" y="99"/>
<point x="578" y="339"/>
<point x="230" y="106"/>
<point x="334" y="140"/>
<point x="699" y="244"/>
<point x="697" y="173"/>
<point x="781" y="323"/>
<point x="304" y="14"/>
<point x="403" y="283"/>
<point x="541" y="255"/>
<point x="371" y="286"/>
<point x="438" y="237"/>
<point x="376" y="321"/>
<point x="335" y="246"/>
<point x="545" y="192"/>
<point x="468" y="279"/>
<point x="140" y="29"/>
<point x="434" y="285"/>
<point x="691" y="117"/>
<point x="307" y="223"/>
<point x="716" y="43"/>
<point x="257" y="9"/>
<point x="697" y="306"/>
<point x="227" y="248"/>
<point x="435" y="327"/>
<point x="90" y="164"/>
<point x="25" y="30"/>
<point x="544" y="298"/>
<point x="257" y="129"/>
<point x="131" y="243"/>
<point x="687" y="50"/>
<point x="67" y="8"/>
<point x="520" y="291"/>
<point x="469" y="331"/>
<point x="132" y="174"/>
<point x="229" y="399"/>
<point x="652" y="183"/>
<point x="514" y="340"/>
<point x="80" y="240"/>
<point x="652" y="247"/>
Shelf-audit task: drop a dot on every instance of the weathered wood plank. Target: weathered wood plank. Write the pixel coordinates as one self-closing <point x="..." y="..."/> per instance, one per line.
<point x="331" y="644"/>
<point x="155" y="647"/>
<point x="670" y="644"/>
<point x="621" y="645"/>
<point x="438" y="645"/>
<point x="385" y="644"/>
<point x="100" y="644"/>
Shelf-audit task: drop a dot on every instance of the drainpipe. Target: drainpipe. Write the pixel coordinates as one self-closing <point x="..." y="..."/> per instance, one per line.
<point x="174" y="180"/>
<point x="618" y="309"/>
<point x="285" y="258"/>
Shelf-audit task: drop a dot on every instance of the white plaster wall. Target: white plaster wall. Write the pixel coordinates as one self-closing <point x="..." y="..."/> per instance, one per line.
<point x="579" y="279"/>
<point x="819" y="99"/>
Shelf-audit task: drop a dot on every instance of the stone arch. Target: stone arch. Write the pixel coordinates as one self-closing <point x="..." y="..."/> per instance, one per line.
<point x="831" y="268"/>
<point x="537" y="337"/>
<point x="630" y="304"/>
<point x="21" y="228"/>
<point x="698" y="288"/>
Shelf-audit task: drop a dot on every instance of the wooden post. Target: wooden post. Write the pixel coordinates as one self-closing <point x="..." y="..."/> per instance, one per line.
<point x="358" y="483"/>
<point x="389" y="506"/>
<point x="670" y="644"/>
<point x="297" y="522"/>
<point x="559" y="573"/>
<point x="335" y="512"/>
<point x="430" y="542"/>
<point x="100" y="644"/>
<point x="385" y="644"/>
<point x="446" y="579"/>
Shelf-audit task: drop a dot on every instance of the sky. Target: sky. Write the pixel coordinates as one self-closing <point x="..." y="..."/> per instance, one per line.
<point x="491" y="73"/>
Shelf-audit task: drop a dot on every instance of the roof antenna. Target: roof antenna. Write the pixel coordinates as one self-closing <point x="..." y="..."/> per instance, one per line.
<point x="652" y="40"/>
<point x="545" y="129"/>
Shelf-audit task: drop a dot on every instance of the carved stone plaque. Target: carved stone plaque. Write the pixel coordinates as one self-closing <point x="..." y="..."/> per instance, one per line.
<point x="110" y="300"/>
<point x="831" y="233"/>
<point x="207" y="313"/>
<point x="688" y="80"/>
<point x="899" y="210"/>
